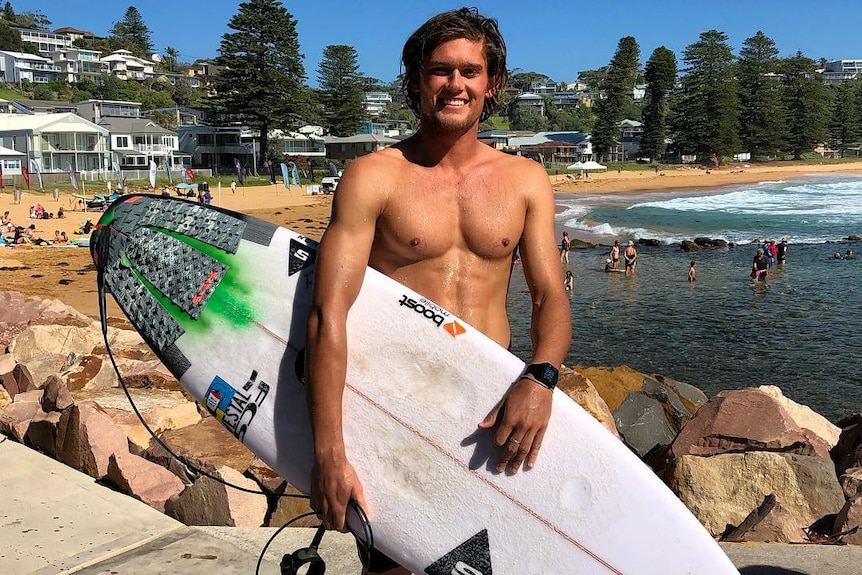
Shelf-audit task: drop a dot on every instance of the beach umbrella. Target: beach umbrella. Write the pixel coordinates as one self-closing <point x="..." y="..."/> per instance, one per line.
<point x="575" y="166"/>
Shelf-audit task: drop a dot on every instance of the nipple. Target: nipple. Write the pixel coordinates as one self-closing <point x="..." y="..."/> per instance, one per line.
<point x="414" y="242"/>
<point x="505" y="242"/>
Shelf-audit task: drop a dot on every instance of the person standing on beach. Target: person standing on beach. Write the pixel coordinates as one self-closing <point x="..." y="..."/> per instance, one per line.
<point x="442" y="213"/>
<point x="781" y="252"/>
<point x="232" y="186"/>
<point x="631" y="257"/>
<point x="692" y="273"/>
<point x="615" y="255"/>
<point x="565" y="246"/>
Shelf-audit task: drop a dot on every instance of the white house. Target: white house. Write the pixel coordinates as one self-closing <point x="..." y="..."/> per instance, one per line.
<point x="123" y="65"/>
<point x="136" y="141"/>
<point x="18" y="66"/>
<point x="55" y="141"/>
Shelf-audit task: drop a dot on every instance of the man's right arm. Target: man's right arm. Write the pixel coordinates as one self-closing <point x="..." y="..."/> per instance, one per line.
<point x="341" y="264"/>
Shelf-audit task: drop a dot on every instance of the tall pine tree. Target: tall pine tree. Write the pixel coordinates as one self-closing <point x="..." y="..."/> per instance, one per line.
<point x="263" y="75"/>
<point x="763" y="123"/>
<point x="807" y="106"/>
<point x="132" y="34"/>
<point x="844" y="122"/>
<point x="705" y="111"/>
<point x="617" y="86"/>
<point x="660" y="77"/>
<point x="341" y="90"/>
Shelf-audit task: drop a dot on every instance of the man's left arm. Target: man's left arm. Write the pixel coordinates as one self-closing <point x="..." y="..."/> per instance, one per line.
<point x="523" y="413"/>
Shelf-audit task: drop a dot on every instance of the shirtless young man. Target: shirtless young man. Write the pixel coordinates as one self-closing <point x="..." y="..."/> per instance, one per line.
<point x="442" y="213"/>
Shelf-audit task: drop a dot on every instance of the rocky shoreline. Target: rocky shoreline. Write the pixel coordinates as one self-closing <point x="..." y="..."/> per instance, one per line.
<point x="750" y="464"/>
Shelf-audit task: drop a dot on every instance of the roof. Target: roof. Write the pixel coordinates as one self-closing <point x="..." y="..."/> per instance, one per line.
<point x="545" y="137"/>
<point x="62" y="122"/>
<point x="120" y="125"/>
<point x="25" y="56"/>
<point x="360" y="139"/>
<point x="4" y="151"/>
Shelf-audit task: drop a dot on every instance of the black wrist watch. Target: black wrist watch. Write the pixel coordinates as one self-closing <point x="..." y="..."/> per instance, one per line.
<point x="543" y="373"/>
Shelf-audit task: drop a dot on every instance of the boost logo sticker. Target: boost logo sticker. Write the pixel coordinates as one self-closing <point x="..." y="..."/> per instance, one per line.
<point x="236" y="408"/>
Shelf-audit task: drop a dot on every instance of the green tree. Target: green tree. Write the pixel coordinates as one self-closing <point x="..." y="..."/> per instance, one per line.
<point x="763" y="123"/>
<point x="132" y="34"/>
<point x="9" y="39"/>
<point x="806" y="103"/>
<point x="165" y="119"/>
<point x="341" y="90"/>
<point x="263" y="75"/>
<point x="171" y="58"/>
<point x="528" y="118"/>
<point x="618" y="84"/>
<point x="523" y="80"/>
<point x="844" y="122"/>
<point x="660" y="77"/>
<point x="705" y="111"/>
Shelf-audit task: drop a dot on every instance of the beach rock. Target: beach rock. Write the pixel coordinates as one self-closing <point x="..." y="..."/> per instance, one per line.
<point x="853" y="238"/>
<point x="850" y="517"/>
<point x="17" y="311"/>
<point x="55" y="395"/>
<point x="284" y="501"/>
<point x="176" y="412"/>
<point x="847" y="453"/>
<point x="87" y="438"/>
<point x="648" y="412"/>
<point x="143" y="480"/>
<point x="577" y="244"/>
<point x="648" y="242"/>
<point x="582" y="391"/>
<point x="745" y="420"/>
<point x="208" y="502"/>
<point x="15" y="418"/>
<point x="851" y="482"/>
<point x="642" y="422"/>
<point x="689" y="246"/>
<point x="15" y="377"/>
<point x="5" y="398"/>
<point x="208" y="445"/>
<point x="722" y="490"/>
<point x="804" y="416"/>
<point x="42" y="432"/>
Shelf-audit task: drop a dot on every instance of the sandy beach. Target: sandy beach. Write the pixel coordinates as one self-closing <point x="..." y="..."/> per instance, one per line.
<point x="68" y="274"/>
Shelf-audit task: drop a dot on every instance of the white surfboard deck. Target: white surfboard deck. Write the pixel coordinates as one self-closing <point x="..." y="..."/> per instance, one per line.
<point x="419" y="380"/>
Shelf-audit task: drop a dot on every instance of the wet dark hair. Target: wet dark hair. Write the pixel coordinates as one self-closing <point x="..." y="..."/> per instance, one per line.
<point x="464" y="23"/>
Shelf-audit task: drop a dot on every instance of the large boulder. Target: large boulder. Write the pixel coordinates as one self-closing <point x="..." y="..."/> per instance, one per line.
<point x="143" y="480"/>
<point x="87" y="438"/>
<point x="848" y="519"/>
<point x="581" y="390"/>
<point x="206" y="445"/>
<point x="15" y="418"/>
<point x="847" y="453"/>
<point x="14" y="377"/>
<point x="17" y="311"/>
<point x="210" y="502"/>
<point x="648" y="410"/>
<point x="745" y="420"/>
<point x="804" y="416"/>
<point x="723" y="490"/>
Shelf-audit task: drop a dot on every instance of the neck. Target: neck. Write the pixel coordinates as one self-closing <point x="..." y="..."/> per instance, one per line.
<point x="436" y="147"/>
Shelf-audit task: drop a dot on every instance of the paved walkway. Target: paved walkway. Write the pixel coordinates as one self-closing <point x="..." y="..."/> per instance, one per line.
<point x="55" y="520"/>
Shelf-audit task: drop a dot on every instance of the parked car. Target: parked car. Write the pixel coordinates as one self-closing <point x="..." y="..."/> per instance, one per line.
<point x="329" y="184"/>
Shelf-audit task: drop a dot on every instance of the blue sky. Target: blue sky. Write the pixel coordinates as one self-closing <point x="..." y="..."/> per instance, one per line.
<point x="548" y="36"/>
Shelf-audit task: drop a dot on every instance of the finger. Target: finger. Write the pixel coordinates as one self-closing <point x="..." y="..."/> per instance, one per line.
<point x="534" y="450"/>
<point x="524" y="447"/>
<point x="510" y="446"/>
<point x="491" y="419"/>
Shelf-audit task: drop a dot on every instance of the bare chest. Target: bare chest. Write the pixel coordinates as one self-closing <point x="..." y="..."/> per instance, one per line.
<point x="427" y="221"/>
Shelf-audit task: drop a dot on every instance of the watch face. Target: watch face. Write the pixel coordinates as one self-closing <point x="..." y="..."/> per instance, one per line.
<point x="548" y="374"/>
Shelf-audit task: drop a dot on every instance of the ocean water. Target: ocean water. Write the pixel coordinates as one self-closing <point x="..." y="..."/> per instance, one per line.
<point x="800" y="330"/>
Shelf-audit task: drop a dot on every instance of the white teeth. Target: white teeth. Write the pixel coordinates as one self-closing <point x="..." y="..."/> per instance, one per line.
<point x="455" y="102"/>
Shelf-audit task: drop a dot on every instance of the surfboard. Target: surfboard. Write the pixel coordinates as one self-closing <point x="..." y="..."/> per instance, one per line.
<point x="223" y="299"/>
